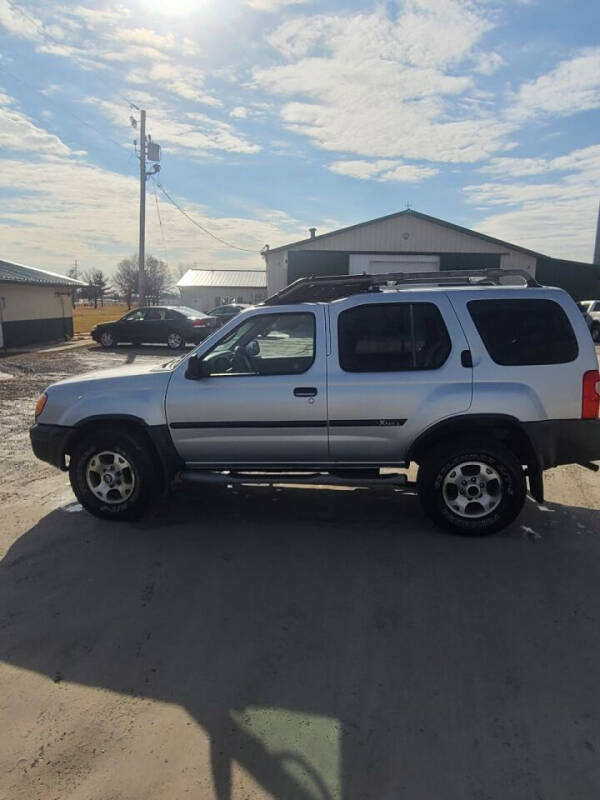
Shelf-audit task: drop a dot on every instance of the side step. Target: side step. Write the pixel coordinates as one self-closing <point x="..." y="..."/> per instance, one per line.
<point x="269" y="478"/>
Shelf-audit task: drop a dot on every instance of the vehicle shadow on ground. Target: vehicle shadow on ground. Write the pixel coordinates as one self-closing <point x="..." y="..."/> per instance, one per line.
<point x="440" y="667"/>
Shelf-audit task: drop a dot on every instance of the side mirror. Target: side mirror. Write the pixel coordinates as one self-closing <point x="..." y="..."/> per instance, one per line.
<point x="253" y="348"/>
<point x="195" y="369"/>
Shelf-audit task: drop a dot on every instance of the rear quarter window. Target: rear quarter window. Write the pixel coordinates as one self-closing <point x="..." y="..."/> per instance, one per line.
<point x="524" y="332"/>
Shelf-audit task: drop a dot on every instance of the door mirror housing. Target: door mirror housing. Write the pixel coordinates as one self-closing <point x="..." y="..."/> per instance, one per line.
<point x="253" y="348"/>
<point x="196" y="368"/>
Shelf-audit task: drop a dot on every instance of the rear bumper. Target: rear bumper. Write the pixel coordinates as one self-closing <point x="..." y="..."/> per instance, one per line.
<point x="49" y="443"/>
<point x="565" y="441"/>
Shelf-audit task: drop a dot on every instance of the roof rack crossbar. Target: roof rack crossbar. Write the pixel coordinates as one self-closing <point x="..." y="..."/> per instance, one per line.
<point x="332" y="287"/>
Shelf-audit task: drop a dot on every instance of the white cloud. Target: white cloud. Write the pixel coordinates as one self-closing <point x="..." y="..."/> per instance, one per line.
<point x="555" y="216"/>
<point x="383" y="170"/>
<point x="273" y="5"/>
<point x="239" y="112"/>
<point x="19" y="22"/>
<point x="584" y="159"/>
<point x="388" y="88"/>
<point x="19" y="133"/>
<point x="193" y="134"/>
<point x="84" y="212"/>
<point x="572" y="86"/>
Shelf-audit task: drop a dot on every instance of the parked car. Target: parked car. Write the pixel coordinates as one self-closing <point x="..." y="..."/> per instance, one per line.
<point x="171" y="325"/>
<point x="224" y="313"/>
<point x="591" y="311"/>
<point x="482" y="386"/>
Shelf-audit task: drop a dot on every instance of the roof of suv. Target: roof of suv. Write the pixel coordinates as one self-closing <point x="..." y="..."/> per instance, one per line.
<point x="327" y="288"/>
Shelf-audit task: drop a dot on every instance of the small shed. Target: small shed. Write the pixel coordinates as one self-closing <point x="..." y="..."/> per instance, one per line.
<point x="204" y="289"/>
<point x="35" y="305"/>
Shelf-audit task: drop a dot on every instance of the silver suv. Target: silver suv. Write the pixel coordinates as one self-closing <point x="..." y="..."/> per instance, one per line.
<point x="345" y="380"/>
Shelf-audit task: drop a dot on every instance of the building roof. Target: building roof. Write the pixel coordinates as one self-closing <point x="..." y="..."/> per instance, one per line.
<point x="228" y="278"/>
<point x="19" y="273"/>
<point x="409" y="212"/>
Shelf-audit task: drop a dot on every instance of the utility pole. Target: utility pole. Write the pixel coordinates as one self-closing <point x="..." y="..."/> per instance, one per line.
<point x="142" y="244"/>
<point x="149" y="151"/>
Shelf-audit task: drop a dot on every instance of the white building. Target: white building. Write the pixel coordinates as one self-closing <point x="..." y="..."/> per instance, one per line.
<point x="35" y="305"/>
<point x="204" y="289"/>
<point x="407" y="241"/>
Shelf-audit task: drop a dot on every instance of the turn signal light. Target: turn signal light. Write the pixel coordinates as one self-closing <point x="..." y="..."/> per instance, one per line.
<point x="590" y="402"/>
<point x="39" y="406"/>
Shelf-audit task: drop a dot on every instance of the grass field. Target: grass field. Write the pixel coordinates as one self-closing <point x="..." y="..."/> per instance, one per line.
<point x="85" y="318"/>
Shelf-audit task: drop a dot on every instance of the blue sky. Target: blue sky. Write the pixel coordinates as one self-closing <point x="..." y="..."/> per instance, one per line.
<point x="276" y="115"/>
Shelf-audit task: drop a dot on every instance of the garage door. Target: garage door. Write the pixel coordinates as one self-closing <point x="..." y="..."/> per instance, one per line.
<point x="364" y="262"/>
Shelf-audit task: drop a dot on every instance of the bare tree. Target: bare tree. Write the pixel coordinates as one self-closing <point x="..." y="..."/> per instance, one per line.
<point x="158" y="279"/>
<point x="126" y="278"/>
<point x="97" y="286"/>
<point x="181" y="269"/>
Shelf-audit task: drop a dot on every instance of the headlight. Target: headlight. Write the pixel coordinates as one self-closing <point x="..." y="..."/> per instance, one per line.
<point x="39" y="406"/>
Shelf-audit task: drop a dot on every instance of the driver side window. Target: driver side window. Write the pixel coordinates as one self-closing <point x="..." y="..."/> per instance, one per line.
<point x="269" y="344"/>
<point x="135" y="316"/>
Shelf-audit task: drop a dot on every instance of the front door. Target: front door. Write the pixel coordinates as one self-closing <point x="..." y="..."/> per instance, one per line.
<point x="262" y="399"/>
<point x="395" y="370"/>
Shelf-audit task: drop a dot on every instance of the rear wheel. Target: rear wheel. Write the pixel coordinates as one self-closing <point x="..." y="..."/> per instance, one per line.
<point x="107" y="339"/>
<point x="175" y="340"/>
<point x="113" y="475"/>
<point x="474" y="488"/>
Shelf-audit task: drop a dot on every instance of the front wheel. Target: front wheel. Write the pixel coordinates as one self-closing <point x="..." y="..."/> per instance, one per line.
<point x="112" y="474"/>
<point x="107" y="339"/>
<point x="175" y="340"/>
<point x="595" y="331"/>
<point x="473" y="488"/>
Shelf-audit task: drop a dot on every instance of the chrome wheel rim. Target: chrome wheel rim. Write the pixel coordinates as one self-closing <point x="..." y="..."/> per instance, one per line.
<point x="106" y="339"/>
<point x="174" y="340"/>
<point x="472" y="489"/>
<point x="110" y="477"/>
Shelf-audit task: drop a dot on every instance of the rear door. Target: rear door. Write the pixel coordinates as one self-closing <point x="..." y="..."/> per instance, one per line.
<point x="264" y="400"/>
<point x="394" y="370"/>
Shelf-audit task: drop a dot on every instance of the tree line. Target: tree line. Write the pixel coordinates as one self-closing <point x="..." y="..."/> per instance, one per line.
<point x="125" y="281"/>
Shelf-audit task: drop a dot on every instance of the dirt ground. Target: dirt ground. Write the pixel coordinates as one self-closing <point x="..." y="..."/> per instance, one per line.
<point x="288" y="643"/>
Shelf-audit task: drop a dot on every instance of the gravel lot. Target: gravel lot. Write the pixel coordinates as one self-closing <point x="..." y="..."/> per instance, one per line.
<point x="288" y="643"/>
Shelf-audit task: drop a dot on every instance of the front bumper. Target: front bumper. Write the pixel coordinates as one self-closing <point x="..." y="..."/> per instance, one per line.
<point x="565" y="441"/>
<point x="49" y="443"/>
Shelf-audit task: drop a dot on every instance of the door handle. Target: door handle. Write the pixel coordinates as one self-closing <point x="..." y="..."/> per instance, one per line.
<point x="305" y="391"/>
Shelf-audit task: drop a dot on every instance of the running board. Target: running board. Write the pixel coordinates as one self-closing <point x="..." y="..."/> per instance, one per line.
<point x="269" y="478"/>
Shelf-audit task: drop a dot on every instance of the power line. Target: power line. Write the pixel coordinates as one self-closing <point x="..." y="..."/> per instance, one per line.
<point x="162" y="233"/>
<point x="197" y="224"/>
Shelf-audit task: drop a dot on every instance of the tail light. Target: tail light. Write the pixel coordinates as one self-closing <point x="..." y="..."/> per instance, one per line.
<point x="590" y="398"/>
<point x="201" y="323"/>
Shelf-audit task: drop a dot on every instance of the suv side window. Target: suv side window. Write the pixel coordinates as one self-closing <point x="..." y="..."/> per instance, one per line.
<point x="524" y="332"/>
<point x="269" y="344"/>
<point x="391" y="337"/>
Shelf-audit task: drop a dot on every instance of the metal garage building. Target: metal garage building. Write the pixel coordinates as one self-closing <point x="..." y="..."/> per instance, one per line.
<point x="35" y="305"/>
<point x="204" y="289"/>
<point x="409" y="241"/>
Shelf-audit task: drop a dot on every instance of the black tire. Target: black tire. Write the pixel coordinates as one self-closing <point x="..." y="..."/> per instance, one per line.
<point x="175" y="340"/>
<point x="595" y="331"/>
<point x="131" y="448"/>
<point x="107" y="339"/>
<point x="437" y="467"/>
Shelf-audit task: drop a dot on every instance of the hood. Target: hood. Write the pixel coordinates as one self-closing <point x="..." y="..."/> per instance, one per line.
<point x="116" y="373"/>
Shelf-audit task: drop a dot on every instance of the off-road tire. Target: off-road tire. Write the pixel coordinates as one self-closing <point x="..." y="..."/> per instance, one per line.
<point x="132" y="447"/>
<point x="438" y="464"/>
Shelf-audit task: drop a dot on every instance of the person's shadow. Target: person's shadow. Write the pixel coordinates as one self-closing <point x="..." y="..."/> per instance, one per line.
<point x="332" y="643"/>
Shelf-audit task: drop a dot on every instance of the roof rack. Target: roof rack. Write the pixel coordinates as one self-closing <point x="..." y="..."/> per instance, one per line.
<point x="324" y="288"/>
